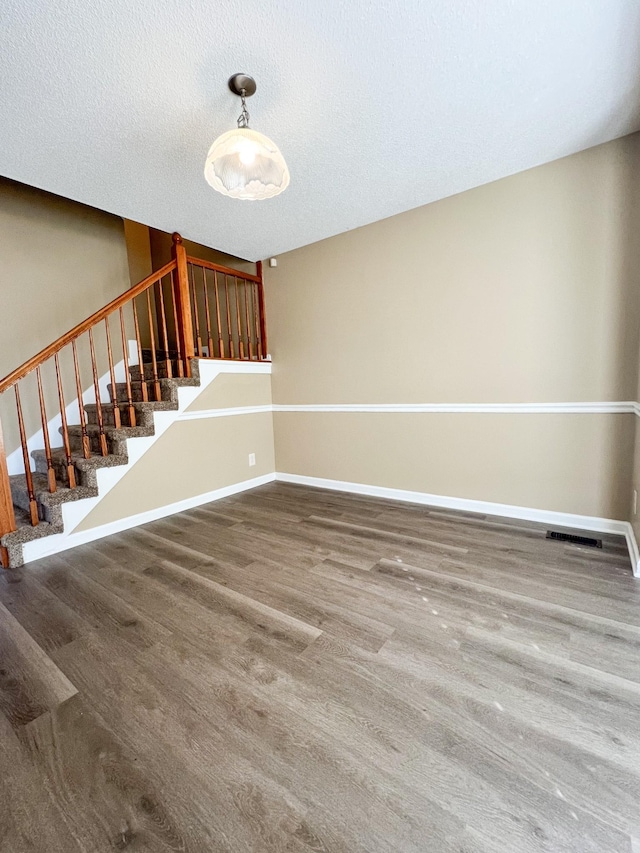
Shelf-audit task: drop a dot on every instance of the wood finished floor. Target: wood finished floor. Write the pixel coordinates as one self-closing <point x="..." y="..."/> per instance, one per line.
<point x="301" y="670"/>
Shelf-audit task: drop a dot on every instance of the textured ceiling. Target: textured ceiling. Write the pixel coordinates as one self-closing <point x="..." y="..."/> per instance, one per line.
<point x="378" y="105"/>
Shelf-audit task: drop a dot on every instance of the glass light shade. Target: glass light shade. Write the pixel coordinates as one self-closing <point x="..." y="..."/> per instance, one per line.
<point x="245" y="164"/>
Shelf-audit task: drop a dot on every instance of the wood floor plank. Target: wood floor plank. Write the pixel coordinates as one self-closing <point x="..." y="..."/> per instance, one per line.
<point x="187" y="743"/>
<point x="106" y="801"/>
<point x="292" y="669"/>
<point x="275" y="589"/>
<point x="248" y="609"/>
<point x="29" y="820"/>
<point x="30" y="682"/>
<point x="99" y="606"/>
<point x="555" y="627"/>
<point x="48" y="620"/>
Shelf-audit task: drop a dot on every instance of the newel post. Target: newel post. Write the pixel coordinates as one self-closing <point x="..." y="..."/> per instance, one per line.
<point x="183" y="302"/>
<point x="7" y="515"/>
<point x="263" y="315"/>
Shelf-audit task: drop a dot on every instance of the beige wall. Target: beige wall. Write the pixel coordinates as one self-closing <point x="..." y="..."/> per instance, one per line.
<point x="233" y="390"/>
<point x="61" y="261"/>
<point x="633" y="515"/>
<point x="194" y="457"/>
<point x="565" y="463"/>
<point x="524" y="290"/>
<point x="138" y="250"/>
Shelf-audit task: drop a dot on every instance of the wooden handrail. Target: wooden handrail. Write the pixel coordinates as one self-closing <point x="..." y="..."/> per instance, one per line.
<point x="219" y="268"/>
<point x="81" y="328"/>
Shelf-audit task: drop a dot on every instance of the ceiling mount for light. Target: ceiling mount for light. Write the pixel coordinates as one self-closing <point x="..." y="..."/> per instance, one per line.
<point x="243" y="163"/>
<point x="240" y="83"/>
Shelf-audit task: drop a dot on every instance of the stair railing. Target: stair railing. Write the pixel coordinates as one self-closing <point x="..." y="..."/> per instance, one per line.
<point x="228" y="311"/>
<point x="164" y="318"/>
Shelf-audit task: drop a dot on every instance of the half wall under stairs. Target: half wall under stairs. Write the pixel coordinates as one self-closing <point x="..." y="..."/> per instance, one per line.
<point x="216" y="389"/>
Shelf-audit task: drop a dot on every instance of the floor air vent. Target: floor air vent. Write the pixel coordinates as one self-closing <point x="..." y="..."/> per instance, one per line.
<point x="575" y="540"/>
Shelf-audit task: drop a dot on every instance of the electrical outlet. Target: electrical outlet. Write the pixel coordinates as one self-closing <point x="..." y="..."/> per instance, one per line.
<point x="252" y="459"/>
<point x="635" y="502"/>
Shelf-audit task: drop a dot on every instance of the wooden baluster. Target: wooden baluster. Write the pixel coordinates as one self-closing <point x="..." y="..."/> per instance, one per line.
<point x="177" y="329"/>
<point x="154" y="363"/>
<point x="216" y="294"/>
<point x="86" y="444"/>
<point x="207" y="314"/>
<point x="143" y="384"/>
<point x="263" y="316"/>
<point x="165" y="337"/>
<point x="96" y="387"/>
<point x="7" y="514"/>
<point x="239" y="321"/>
<point x="183" y="303"/>
<point x="256" y="319"/>
<point x="71" y="471"/>
<point x="33" y="506"/>
<point x="127" y="374"/>
<point x="196" y="312"/>
<point x="112" y="373"/>
<point x="51" y="474"/>
<point x="245" y="287"/>
<point x="232" y="352"/>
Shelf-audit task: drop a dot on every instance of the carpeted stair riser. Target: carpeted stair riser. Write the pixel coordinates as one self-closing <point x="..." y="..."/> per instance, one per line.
<point x="168" y="390"/>
<point x="122" y="394"/>
<point x="161" y="370"/>
<point x="85" y="469"/>
<point x="143" y="412"/>
<point x="116" y="439"/>
<point x="59" y="461"/>
<point x="108" y="414"/>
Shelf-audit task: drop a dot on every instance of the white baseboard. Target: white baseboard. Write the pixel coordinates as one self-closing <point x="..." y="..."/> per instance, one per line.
<point x="549" y="517"/>
<point x="634" y="553"/>
<point x="64" y="543"/>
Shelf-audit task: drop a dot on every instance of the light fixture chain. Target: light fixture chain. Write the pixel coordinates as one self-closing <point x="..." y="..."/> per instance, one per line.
<point x="243" y="118"/>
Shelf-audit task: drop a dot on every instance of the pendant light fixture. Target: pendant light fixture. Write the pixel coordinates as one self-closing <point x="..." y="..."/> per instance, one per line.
<point x="243" y="163"/>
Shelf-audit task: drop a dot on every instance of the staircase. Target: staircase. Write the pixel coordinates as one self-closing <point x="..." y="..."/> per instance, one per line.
<point x="189" y="310"/>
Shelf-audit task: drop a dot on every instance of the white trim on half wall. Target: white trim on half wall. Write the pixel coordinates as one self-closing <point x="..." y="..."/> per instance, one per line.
<point x="616" y="408"/>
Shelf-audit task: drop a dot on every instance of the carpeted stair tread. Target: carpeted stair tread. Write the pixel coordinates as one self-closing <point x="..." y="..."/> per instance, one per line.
<point x="63" y="494"/>
<point x="168" y="390"/>
<point x="115" y="433"/>
<point x="58" y="456"/>
<point x="26" y="532"/>
<point x="138" y="405"/>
